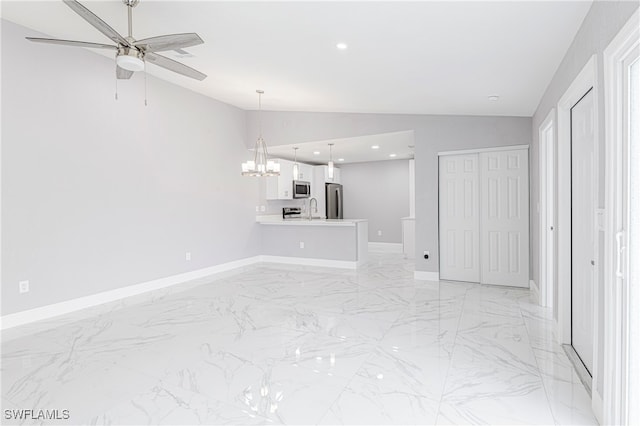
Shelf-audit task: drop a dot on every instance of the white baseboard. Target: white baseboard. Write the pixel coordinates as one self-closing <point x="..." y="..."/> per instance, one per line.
<point x="326" y="263"/>
<point x="68" y="306"/>
<point x="385" y="247"/>
<point x="73" y="305"/>
<point x="426" y="276"/>
<point x="556" y="330"/>
<point x="535" y="290"/>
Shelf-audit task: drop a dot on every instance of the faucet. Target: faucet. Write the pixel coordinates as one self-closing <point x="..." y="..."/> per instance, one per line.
<point x="313" y="202"/>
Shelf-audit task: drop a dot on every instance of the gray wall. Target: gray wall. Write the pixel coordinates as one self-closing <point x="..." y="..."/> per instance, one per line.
<point x="320" y="242"/>
<point x="433" y="133"/>
<point x="99" y="194"/>
<point x="601" y="24"/>
<point x="377" y="191"/>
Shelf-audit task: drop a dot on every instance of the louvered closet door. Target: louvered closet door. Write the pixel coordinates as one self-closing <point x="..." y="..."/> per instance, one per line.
<point x="504" y="218"/>
<point x="459" y="218"/>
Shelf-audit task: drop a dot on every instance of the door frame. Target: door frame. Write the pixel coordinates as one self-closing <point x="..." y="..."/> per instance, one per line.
<point x="617" y="355"/>
<point x="587" y="79"/>
<point x="547" y="173"/>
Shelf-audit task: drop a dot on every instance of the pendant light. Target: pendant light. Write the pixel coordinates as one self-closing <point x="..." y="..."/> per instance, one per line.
<point x="261" y="165"/>
<point x="296" y="167"/>
<point x="330" y="170"/>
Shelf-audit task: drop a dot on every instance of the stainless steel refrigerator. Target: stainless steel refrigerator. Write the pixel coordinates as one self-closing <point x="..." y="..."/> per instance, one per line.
<point x="333" y="200"/>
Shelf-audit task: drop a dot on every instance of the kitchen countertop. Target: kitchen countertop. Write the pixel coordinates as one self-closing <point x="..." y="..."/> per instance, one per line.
<point x="277" y="220"/>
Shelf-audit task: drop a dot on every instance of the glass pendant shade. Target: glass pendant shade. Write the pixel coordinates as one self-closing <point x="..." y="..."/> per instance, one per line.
<point x="330" y="164"/>
<point x="260" y="165"/>
<point x="296" y="167"/>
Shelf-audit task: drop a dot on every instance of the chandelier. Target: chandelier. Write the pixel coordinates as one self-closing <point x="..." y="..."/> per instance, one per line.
<point x="260" y="165"/>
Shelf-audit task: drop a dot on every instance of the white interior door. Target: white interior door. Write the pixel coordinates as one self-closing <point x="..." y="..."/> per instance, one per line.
<point x="547" y="210"/>
<point x="550" y="273"/>
<point x="504" y="217"/>
<point x="459" y="218"/>
<point x="583" y="209"/>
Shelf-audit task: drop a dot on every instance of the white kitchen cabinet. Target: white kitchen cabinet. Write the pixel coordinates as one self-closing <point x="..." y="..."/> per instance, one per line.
<point x="306" y="172"/>
<point x="281" y="187"/>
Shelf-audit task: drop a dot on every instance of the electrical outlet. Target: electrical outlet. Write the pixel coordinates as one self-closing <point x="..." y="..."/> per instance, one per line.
<point x="379" y="233"/>
<point x="257" y="209"/>
<point x="426" y="254"/>
<point x="263" y="208"/>
<point x="23" y="286"/>
<point x="301" y="244"/>
<point x="187" y="256"/>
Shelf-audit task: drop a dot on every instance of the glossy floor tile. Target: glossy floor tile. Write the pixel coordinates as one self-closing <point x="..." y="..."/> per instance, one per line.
<point x="276" y="344"/>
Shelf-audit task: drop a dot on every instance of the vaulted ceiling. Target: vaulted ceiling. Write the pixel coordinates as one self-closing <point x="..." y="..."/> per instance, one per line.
<point x="436" y="57"/>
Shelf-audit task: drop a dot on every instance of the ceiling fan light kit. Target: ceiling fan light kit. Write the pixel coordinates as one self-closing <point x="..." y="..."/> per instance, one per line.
<point x="132" y="54"/>
<point x="130" y="59"/>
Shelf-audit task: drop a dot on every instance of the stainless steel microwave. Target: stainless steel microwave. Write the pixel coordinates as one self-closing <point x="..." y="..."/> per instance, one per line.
<point x="301" y="189"/>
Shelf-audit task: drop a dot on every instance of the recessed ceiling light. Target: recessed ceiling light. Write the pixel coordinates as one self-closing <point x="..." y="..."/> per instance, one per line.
<point x="342" y="46"/>
<point x="494" y="98"/>
<point x="340" y="159"/>
<point x="316" y="152"/>
<point x="375" y="146"/>
<point x="392" y="155"/>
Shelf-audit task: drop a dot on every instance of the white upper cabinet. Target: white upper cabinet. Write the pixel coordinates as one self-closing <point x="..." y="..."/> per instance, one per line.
<point x="281" y="187"/>
<point x="306" y="172"/>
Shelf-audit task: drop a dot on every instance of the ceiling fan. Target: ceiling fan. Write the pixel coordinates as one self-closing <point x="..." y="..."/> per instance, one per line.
<point x="131" y="54"/>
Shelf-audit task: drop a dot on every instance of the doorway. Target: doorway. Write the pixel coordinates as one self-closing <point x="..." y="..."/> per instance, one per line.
<point x="547" y="206"/>
<point x="622" y="234"/>
<point x="583" y="238"/>
<point x="579" y="307"/>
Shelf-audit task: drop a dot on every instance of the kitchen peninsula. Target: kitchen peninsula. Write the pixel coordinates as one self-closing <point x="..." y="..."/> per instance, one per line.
<point x="340" y="243"/>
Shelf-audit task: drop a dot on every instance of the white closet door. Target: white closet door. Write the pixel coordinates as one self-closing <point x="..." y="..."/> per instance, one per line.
<point x="459" y="218"/>
<point x="583" y="238"/>
<point x="504" y="217"/>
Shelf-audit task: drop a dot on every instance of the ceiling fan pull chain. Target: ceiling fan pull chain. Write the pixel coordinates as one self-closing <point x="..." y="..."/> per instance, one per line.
<point x="116" y="87"/>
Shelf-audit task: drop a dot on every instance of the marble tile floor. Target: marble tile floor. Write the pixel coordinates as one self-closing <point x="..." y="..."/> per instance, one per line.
<point x="276" y="344"/>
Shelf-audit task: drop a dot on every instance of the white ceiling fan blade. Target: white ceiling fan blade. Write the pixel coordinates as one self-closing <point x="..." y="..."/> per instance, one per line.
<point x="122" y="74"/>
<point x="72" y="43"/>
<point x="169" y="42"/>
<point x="174" y="66"/>
<point x="98" y="23"/>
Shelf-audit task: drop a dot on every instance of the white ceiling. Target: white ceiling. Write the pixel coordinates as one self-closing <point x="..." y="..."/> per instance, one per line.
<point x="404" y="57"/>
<point x="351" y="150"/>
